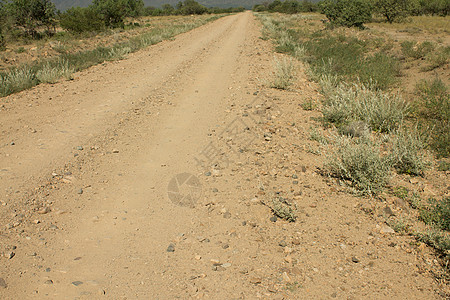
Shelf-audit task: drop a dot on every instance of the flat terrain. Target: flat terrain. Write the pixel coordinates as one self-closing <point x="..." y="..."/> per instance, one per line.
<point x="87" y="211"/>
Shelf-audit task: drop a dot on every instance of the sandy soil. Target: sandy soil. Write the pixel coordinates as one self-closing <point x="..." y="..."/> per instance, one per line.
<point x="87" y="211"/>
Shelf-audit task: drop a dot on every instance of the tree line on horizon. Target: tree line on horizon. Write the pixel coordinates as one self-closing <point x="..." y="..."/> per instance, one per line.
<point x="357" y="12"/>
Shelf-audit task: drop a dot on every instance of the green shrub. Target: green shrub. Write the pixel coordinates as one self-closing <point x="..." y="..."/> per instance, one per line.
<point x="360" y="162"/>
<point x="437" y="58"/>
<point x="350" y="13"/>
<point x="433" y="109"/>
<point x="437" y="213"/>
<point x="78" y="20"/>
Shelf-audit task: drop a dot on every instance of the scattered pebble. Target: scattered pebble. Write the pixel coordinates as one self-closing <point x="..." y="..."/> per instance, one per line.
<point x="355" y="259"/>
<point x="80" y="191"/>
<point x="80" y="148"/>
<point x="77" y="283"/>
<point x="273" y="218"/>
<point x="171" y="248"/>
<point x="387" y="229"/>
<point x="3" y="283"/>
<point x="48" y="281"/>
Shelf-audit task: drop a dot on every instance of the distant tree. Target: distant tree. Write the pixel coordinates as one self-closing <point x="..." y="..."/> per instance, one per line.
<point x="33" y="14"/>
<point x="114" y="12"/>
<point x="168" y="9"/>
<point x="350" y="13"/>
<point x="393" y="10"/>
<point x="81" y="19"/>
<point x="432" y="7"/>
<point x="191" y="7"/>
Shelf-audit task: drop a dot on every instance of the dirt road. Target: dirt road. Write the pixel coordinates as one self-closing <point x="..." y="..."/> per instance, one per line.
<point x="87" y="210"/>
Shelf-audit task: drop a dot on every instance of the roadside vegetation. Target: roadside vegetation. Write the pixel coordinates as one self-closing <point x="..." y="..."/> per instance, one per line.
<point x="382" y="125"/>
<point x="26" y="25"/>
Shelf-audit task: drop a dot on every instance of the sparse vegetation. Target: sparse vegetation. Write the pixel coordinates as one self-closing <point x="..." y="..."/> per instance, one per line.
<point x="376" y="130"/>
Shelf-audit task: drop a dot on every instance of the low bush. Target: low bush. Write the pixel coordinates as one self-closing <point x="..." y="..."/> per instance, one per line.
<point x="383" y="112"/>
<point x="360" y="162"/>
<point x="407" y="155"/>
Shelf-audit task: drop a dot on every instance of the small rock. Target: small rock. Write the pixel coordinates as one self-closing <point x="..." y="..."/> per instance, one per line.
<point x="198" y="257"/>
<point x="215" y="190"/>
<point x="387" y="229"/>
<point x="282" y="243"/>
<point x="286" y="277"/>
<point x="80" y="148"/>
<point x="77" y="283"/>
<point x="208" y="174"/>
<point x="288" y="259"/>
<point x="3" y="283"/>
<point x="10" y="255"/>
<point x="48" y="281"/>
<point x="355" y="259"/>
<point x="296" y="241"/>
<point x="115" y="151"/>
<point x="287" y="249"/>
<point x="255" y="280"/>
<point x="171" y="248"/>
<point x="80" y="191"/>
<point x="273" y="218"/>
<point x="388" y="211"/>
<point x="226" y="265"/>
<point x="44" y="210"/>
<point x="227" y="215"/>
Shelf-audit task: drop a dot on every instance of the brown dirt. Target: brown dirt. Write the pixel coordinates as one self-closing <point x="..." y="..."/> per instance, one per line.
<point x="146" y="119"/>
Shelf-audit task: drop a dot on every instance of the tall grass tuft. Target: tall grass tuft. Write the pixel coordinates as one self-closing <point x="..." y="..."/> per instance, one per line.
<point x="284" y="73"/>
<point x="51" y="73"/>
<point x="17" y="80"/>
